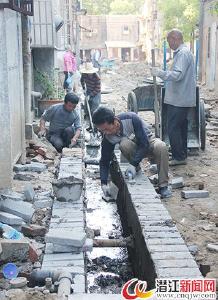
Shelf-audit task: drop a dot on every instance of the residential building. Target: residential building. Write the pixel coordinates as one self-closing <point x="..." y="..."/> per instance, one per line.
<point x="208" y="70"/>
<point x="13" y="108"/>
<point x="117" y="36"/>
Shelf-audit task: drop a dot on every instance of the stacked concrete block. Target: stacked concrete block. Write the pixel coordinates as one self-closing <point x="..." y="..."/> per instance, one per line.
<point x="168" y="250"/>
<point x="69" y="185"/>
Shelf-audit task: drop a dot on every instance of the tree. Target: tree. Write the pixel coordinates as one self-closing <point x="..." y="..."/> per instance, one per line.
<point x="116" y="7"/>
<point x="122" y="7"/>
<point x="181" y="14"/>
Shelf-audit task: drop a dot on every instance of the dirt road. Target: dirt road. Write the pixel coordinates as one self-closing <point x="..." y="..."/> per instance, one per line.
<point x="196" y="219"/>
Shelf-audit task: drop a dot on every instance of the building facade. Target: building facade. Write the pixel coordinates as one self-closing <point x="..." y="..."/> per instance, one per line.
<point x="209" y="44"/>
<point x="117" y="36"/>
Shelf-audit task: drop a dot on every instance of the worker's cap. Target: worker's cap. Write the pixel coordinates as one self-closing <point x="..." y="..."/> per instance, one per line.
<point x="88" y="68"/>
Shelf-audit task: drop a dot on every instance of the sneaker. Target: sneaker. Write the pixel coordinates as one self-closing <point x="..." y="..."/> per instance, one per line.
<point x="165" y="192"/>
<point x="175" y="162"/>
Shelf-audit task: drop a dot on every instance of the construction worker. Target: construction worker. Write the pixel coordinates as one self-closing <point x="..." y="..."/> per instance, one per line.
<point x="180" y="95"/>
<point x="91" y="84"/>
<point x="135" y="141"/>
<point x="65" y="126"/>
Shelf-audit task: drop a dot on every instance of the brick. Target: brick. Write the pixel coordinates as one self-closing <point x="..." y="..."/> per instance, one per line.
<point x="34" y="253"/>
<point x="177" y="182"/>
<point x="10" y="219"/>
<point x="19" y="208"/>
<point x="12" y="196"/>
<point x="179" y="273"/>
<point x="194" y="194"/>
<point x="161" y="235"/>
<point x="175" y="263"/>
<point x="43" y="202"/>
<point x="167" y="248"/>
<point x="68" y="237"/>
<point x="171" y="255"/>
<point x="14" y="250"/>
<point x="165" y="241"/>
<point x="32" y="167"/>
<point x="29" y="192"/>
<point x="33" y="230"/>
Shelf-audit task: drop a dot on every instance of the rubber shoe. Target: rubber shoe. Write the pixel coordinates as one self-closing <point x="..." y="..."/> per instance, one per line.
<point x="165" y="192"/>
<point x="175" y="162"/>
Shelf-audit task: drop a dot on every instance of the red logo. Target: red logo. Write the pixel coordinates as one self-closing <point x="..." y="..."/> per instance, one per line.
<point x="139" y="291"/>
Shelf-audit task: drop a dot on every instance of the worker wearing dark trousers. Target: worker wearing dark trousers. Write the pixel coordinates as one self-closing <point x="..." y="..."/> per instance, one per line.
<point x="180" y="95"/>
<point x="65" y="127"/>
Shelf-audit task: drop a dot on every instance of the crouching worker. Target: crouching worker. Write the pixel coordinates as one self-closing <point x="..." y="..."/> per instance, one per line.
<point x="135" y="141"/>
<point x="65" y="127"/>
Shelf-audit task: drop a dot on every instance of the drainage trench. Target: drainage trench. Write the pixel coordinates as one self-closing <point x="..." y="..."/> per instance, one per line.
<point x="109" y="268"/>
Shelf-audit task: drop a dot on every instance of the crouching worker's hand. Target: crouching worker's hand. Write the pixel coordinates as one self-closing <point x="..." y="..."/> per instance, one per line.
<point x="73" y="143"/>
<point x="130" y="172"/>
<point x="42" y="133"/>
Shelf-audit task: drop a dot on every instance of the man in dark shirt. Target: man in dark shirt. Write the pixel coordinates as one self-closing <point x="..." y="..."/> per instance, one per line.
<point x="91" y="84"/>
<point x="65" y="126"/>
<point x="136" y="142"/>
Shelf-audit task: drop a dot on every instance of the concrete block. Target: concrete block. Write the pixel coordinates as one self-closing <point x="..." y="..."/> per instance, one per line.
<point x="167" y="248"/>
<point x="69" y="189"/>
<point x="79" y="284"/>
<point x="29" y="131"/>
<point x="19" y="208"/>
<point x="23" y="177"/>
<point x="177" y="182"/>
<point x="171" y="255"/>
<point x="32" y="167"/>
<point x="56" y="248"/>
<point x="77" y="225"/>
<point x="175" y="263"/>
<point x="29" y="192"/>
<point x="14" y="250"/>
<point x="212" y="247"/>
<point x="65" y="213"/>
<point x="43" y="203"/>
<point x="194" y="194"/>
<point x="45" y="194"/>
<point x="153" y="169"/>
<point x="12" y="195"/>
<point x="63" y="256"/>
<point x="161" y="235"/>
<point x="74" y="152"/>
<point x="178" y="273"/>
<point x="165" y="241"/>
<point x="71" y="269"/>
<point x="70" y="237"/>
<point x="10" y="219"/>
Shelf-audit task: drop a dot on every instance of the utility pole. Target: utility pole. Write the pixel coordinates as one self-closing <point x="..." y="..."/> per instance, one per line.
<point x="201" y="38"/>
<point x="77" y="39"/>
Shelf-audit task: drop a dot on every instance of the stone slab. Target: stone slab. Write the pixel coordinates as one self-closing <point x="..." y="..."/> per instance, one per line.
<point x="179" y="273"/>
<point x="167" y="248"/>
<point x="70" y="237"/>
<point x="10" y="219"/>
<point x="194" y="194"/>
<point x="164" y="241"/>
<point x="79" y="284"/>
<point x="161" y="235"/>
<point x="95" y="297"/>
<point x="12" y="196"/>
<point x="177" y="182"/>
<point x="73" y="270"/>
<point x="149" y="229"/>
<point x="32" y="167"/>
<point x="175" y="263"/>
<point x="14" y="250"/>
<point x="171" y="255"/>
<point x="55" y="248"/>
<point x="29" y="192"/>
<point x="21" y="209"/>
<point x="63" y="256"/>
<point x="63" y="263"/>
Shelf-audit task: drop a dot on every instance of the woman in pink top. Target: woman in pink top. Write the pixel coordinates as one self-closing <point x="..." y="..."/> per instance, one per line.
<point x="69" y="67"/>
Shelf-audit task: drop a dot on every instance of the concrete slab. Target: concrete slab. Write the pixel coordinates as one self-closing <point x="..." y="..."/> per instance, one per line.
<point x="79" y="284"/>
<point x="73" y="270"/>
<point x="194" y="194"/>
<point x="167" y="248"/>
<point x="179" y="273"/>
<point x="63" y="256"/>
<point x="161" y="235"/>
<point x="69" y="237"/>
<point x="164" y="241"/>
<point x="172" y="255"/>
<point x="175" y="263"/>
<point x="32" y="167"/>
<point x="10" y="219"/>
<point x="29" y="192"/>
<point x="21" y="209"/>
<point x="12" y="195"/>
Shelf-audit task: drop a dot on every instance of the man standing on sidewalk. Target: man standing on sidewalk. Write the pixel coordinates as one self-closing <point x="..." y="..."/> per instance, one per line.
<point x="180" y="95"/>
<point x="135" y="141"/>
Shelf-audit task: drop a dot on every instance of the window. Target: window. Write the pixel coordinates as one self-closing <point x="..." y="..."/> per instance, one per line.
<point x="125" y="29"/>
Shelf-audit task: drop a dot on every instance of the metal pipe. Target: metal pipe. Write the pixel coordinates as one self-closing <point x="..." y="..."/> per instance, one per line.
<point x="126" y="242"/>
<point x="64" y="289"/>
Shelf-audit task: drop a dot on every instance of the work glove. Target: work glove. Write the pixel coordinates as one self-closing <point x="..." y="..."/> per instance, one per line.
<point x="110" y="192"/>
<point x="155" y="71"/>
<point x="130" y="172"/>
<point x="42" y="133"/>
